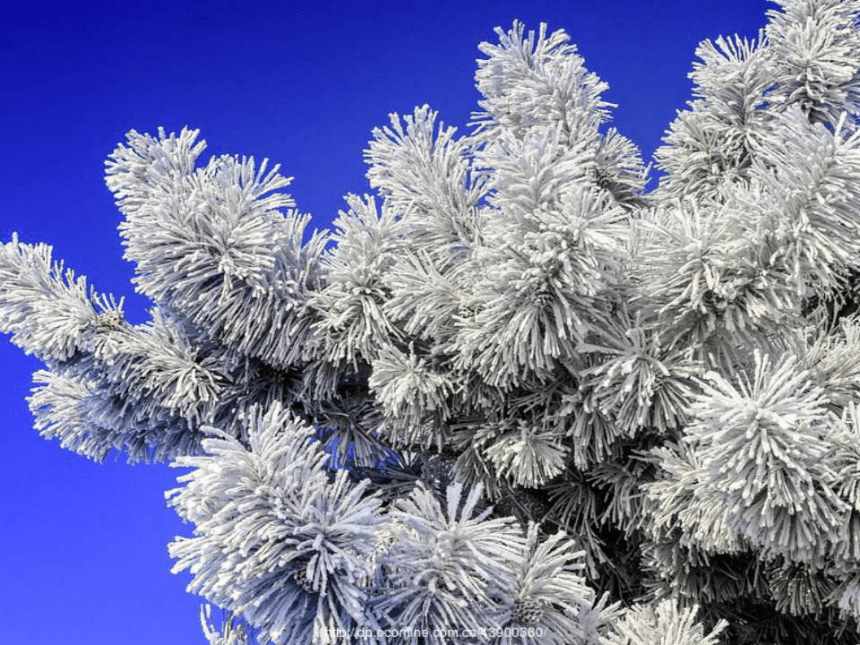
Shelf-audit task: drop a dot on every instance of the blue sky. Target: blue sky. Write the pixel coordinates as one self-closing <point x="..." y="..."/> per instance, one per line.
<point x="83" y="555"/>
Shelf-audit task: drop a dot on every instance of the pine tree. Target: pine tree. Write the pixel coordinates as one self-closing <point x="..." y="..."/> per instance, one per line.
<point x="514" y="396"/>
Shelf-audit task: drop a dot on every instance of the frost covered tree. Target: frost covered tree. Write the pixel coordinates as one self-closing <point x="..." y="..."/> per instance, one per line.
<point x="513" y="397"/>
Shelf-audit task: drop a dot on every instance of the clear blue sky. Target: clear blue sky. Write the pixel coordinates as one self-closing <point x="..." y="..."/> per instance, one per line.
<point x="83" y="554"/>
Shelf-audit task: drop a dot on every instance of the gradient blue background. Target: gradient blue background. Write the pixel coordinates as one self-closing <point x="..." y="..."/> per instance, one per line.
<point x="83" y="547"/>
